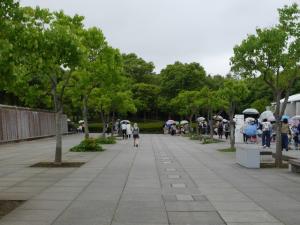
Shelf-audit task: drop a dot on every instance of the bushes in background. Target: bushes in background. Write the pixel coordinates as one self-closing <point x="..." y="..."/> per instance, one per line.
<point x="88" y="145"/>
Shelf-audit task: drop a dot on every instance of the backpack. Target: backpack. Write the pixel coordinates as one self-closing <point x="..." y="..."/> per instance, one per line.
<point x="265" y="126"/>
<point x="135" y="131"/>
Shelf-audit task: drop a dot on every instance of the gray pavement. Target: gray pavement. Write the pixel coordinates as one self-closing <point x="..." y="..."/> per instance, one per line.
<point x="167" y="180"/>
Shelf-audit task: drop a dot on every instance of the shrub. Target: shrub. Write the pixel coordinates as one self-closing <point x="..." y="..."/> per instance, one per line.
<point x="194" y="137"/>
<point x="95" y="127"/>
<point x="208" y="140"/>
<point x="151" y="127"/>
<point x="88" y="145"/>
<point x="106" y="140"/>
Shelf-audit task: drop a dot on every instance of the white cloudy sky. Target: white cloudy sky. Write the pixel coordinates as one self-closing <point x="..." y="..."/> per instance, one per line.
<point x="165" y="31"/>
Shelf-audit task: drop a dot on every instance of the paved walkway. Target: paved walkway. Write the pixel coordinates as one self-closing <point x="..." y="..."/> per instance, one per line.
<point x="167" y="180"/>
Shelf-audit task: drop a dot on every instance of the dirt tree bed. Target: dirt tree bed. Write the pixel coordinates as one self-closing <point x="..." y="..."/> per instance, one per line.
<point x="6" y="206"/>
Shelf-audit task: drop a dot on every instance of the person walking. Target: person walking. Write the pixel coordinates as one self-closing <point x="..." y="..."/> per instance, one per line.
<point x="220" y="130"/>
<point x="124" y="129"/>
<point x="227" y="130"/>
<point x="136" y="135"/>
<point x="295" y="134"/>
<point x="284" y="134"/>
<point x="128" y="130"/>
<point x="266" y="133"/>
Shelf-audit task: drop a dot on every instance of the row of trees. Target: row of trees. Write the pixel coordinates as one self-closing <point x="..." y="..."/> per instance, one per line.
<point x="50" y="60"/>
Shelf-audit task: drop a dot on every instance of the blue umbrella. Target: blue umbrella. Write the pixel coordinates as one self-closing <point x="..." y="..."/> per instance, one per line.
<point x="284" y="117"/>
<point x="251" y="130"/>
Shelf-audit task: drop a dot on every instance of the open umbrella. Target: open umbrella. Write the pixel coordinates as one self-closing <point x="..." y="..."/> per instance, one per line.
<point x="250" y="111"/>
<point x="81" y="121"/>
<point x="176" y="122"/>
<point x="271" y="119"/>
<point x="249" y="119"/>
<point x="225" y="121"/>
<point x="218" y="117"/>
<point x="125" y="121"/>
<point x="182" y="122"/>
<point x="297" y="117"/>
<point x="251" y="130"/>
<point x="199" y="119"/>
<point x="266" y="115"/>
<point x="170" y="122"/>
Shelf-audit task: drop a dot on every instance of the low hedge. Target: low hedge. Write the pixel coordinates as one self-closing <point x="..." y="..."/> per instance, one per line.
<point x="88" y="145"/>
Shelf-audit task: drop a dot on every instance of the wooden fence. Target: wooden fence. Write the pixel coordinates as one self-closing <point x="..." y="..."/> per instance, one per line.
<point x="18" y="123"/>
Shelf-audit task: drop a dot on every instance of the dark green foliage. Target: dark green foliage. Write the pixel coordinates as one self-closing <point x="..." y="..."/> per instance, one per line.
<point x="151" y="127"/>
<point x="88" y="145"/>
<point x="106" y="140"/>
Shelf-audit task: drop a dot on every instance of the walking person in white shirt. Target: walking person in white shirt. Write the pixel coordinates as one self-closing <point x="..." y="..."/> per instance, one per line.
<point x="124" y="130"/>
<point x="128" y="130"/>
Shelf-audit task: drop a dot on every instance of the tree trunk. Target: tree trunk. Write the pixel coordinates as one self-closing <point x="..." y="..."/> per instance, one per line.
<point x="112" y="123"/>
<point x="232" y="130"/>
<point x="191" y="123"/>
<point x="85" y="113"/>
<point x="58" y="149"/>
<point x="211" y="125"/>
<point x="103" y="123"/>
<point x="278" y="158"/>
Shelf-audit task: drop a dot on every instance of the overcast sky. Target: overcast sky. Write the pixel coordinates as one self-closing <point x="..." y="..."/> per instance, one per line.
<point x="165" y="31"/>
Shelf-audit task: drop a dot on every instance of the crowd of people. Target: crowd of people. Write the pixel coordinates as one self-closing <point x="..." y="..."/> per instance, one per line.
<point x="266" y="131"/>
<point x="127" y="131"/>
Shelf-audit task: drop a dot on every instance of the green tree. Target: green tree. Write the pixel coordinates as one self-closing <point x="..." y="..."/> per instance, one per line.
<point x="274" y="54"/>
<point x="180" y="77"/>
<point x="210" y="101"/>
<point x="145" y="97"/>
<point x="233" y="92"/>
<point x="186" y="103"/>
<point x="55" y="53"/>
<point x="138" y="69"/>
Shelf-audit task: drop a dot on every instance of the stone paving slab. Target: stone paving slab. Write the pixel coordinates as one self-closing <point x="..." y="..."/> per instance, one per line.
<point x="129" y="186"/>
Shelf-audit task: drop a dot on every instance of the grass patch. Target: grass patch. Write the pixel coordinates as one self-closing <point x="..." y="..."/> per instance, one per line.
<point x="88" y="145"/>
<point x="227" y="150"/>
<point x="106" y="140"/>
<point x="209" y="140"/>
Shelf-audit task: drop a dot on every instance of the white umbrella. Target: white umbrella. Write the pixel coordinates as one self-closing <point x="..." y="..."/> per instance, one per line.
<point x="218" y="118"/>
<point x="199" y="119"/>
<point x="182" y="122"/>
<point x="251" y="111"/>
<point x="249" y="119"/>
<point x="297" y="117"/>
<point x="169" y="122"/>
<point x="81" y="121"/>
<point x="225" y="121"/>
<point x="271" y="119"/>
<point x="266" y="115"/>
<point x="125" y="121"/>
